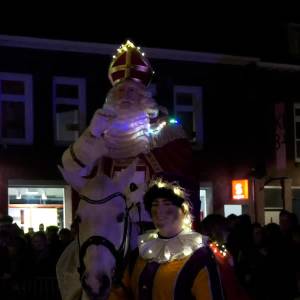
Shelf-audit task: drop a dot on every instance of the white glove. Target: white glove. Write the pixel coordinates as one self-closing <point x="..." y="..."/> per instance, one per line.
<point x="101" y="121"/>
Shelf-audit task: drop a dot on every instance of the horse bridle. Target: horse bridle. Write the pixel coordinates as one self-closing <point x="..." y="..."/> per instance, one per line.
<point x="120" y="253"/>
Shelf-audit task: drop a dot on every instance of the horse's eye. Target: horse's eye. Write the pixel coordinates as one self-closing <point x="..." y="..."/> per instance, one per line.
<point x="120" y="217"/>
<point x="133" y="187"/>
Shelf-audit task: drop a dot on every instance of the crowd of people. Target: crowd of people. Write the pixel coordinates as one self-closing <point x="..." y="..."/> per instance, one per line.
<point x="265" y="259"/>
<point x="28" y="256"/>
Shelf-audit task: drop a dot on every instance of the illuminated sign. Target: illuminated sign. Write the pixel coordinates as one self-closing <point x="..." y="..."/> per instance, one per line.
<point x="240" y="189"/>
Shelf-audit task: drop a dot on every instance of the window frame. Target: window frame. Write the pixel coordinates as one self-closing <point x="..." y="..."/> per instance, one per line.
<point x="27" y="98"/>
<point x="80" y="102"/>
<point x="196" y="108"/>
<point x="296" y="120"/>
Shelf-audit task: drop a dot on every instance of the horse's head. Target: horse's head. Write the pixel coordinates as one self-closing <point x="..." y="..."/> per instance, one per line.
<point x="102" y="215"/>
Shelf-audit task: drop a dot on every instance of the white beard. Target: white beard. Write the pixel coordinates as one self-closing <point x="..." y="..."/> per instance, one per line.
<point x="128" y="135"/>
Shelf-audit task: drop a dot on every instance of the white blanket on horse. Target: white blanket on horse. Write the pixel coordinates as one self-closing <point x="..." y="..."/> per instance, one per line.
<point x="67" y="275"/>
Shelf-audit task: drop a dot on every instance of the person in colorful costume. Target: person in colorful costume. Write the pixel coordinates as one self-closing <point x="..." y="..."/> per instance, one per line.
<point x="215" y="227"/>
<point x="174" y="262"/>
<point x="130" y="124"/>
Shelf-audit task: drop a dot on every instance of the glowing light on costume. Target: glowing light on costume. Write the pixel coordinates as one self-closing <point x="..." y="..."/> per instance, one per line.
<point x="173" y="121"/>
<point x="187" y="221"/>
<point x="154" y="235"/>
<point x="219" y="250"/>
<point x="187" y="251"/>
<point x="158" y="128"/>
<point x="163" y="250"/>
<point x="167" y="255"/>
<point x="161" y="184"/>
<point x="199" y="240"/>
<point x="177" y="191"/>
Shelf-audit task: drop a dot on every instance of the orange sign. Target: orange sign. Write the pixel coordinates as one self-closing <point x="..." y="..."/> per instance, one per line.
<point x="240" y="189"/>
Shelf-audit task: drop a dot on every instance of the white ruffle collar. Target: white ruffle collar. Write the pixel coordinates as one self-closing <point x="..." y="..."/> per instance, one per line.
<point x="161" y="250"/>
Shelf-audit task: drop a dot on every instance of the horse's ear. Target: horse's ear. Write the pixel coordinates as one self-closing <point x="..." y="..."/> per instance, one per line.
<point x="124" y="178"/>
<point x="136" y="195"/>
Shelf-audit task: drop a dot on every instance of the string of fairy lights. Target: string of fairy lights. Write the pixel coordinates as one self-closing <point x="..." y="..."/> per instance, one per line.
<point x="218" y="249"/>
<point x="125" y="48"/>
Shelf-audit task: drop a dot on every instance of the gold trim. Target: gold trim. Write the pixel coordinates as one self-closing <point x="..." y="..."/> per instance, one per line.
<point x="128" y="48"/>
<point x="153" y="162"/>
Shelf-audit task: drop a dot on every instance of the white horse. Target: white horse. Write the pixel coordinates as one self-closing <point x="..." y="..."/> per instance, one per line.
<point x="107" y="207"/>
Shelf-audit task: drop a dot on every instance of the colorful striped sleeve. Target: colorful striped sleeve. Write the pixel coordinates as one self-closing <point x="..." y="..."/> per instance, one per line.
<point x="201" y="289"/>
<point x="199" y="278"/>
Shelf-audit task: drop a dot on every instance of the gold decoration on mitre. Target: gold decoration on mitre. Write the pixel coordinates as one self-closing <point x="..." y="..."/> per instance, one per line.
<point x="130" y="63"/>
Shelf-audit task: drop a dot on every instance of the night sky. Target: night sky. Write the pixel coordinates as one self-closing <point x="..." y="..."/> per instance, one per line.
<point x="247" y="33"/>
